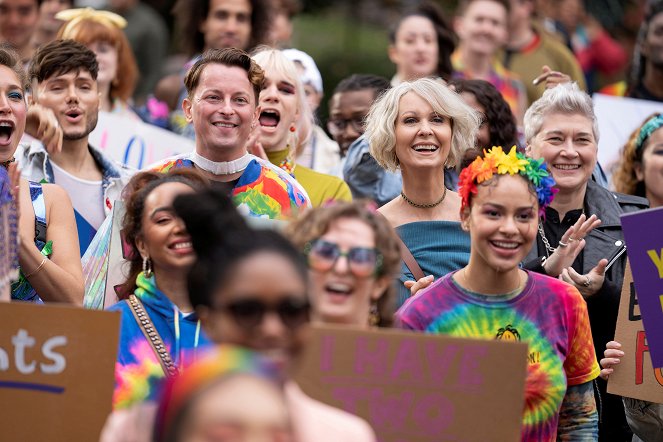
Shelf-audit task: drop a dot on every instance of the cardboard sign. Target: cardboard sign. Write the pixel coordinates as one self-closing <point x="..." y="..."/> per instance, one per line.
<point x="134" y="143"/>
<point x="56" y="371"/>
<point x="634" y="376"/>
<point x="645" y="251"/>
<point x="414" y="387"/>
<point x="618" y="117"/>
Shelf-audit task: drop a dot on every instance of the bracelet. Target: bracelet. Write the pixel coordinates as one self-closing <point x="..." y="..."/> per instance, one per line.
<point x="41" y="264"/>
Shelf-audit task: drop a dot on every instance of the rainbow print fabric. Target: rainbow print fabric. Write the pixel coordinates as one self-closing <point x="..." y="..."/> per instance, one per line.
<point x="263" y="190"/>
<point x="550" y="315"/>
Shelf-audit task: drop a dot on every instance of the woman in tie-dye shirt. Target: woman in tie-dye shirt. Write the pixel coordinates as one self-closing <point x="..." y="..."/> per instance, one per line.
<point x="492" y="298"/>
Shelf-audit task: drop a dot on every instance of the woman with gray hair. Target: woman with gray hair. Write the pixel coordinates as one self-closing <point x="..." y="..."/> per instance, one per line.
<point x="421" y="127"/>
<point x="561" y="128"/>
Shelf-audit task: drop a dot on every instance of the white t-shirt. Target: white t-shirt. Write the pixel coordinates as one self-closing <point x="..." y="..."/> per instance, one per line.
<point x="86" y="196"/>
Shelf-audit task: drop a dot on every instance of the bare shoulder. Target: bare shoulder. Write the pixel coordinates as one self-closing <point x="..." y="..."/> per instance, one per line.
<point x="56" y="199"/>
<point x="392" y="212"/>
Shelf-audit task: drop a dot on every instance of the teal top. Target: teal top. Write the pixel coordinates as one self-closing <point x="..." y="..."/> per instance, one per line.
<point x="439" y="247"/>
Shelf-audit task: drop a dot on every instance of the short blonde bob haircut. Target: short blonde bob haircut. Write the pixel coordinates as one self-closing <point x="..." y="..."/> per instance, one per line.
<point x="273" y="60"/>
<point x="381" y="120"/>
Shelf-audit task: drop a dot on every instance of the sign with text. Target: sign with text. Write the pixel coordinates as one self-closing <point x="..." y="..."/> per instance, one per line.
<point x="634" y="376"/>
<point x="57" y="368"/>
<point x="617" y="118"/>
<point x="135" y="143"/>
<point x="415" y="387"/>
<point x="642" y="232"/>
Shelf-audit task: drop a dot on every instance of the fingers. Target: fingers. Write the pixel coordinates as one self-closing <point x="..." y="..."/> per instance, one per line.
<point x="613" y="345"/>
<point x="599" y="270"/>
<point x="422" y="283"/>
<point x="575" y="278"/>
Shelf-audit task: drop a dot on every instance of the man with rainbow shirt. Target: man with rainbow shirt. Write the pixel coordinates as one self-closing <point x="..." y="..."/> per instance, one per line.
<point x="222" y="105"/>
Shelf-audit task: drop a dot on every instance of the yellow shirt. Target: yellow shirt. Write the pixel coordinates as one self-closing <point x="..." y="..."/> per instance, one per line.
<point x="320" y="187"/>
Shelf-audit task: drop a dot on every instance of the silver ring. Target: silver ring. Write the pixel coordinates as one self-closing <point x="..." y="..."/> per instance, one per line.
<point x="563" y="244"/>
<point x="588" y="282"/>
<point x="571" y="239"/>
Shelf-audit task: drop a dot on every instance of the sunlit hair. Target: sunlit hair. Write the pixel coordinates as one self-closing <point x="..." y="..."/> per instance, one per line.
<point x="565" y="98"/>
<point x="494" y="163"/>
<point x="316" y="222"/>
<point x="273" y="60"/>
<point x="89" y="31"/>
<point x="381" y="120"/>
<point x="10" y="59"/>
<point x="624" y="178"/>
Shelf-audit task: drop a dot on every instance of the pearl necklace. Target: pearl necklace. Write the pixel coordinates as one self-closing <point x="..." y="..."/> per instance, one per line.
<point x="222" y="167"/>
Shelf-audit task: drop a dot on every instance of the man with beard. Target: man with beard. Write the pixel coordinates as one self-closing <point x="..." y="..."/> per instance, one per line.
<point x="63" y="77"/>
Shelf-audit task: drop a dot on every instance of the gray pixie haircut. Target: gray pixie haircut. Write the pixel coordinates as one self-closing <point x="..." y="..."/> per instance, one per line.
<point x="565" y="98"/>
<point x="381" y="120"/>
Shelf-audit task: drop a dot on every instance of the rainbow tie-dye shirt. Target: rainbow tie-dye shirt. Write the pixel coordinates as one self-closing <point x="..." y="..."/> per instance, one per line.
<point x="263" y="190"/>
<point x="550" y="315"/>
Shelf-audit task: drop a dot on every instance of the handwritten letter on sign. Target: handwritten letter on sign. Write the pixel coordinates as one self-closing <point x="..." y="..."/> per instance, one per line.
<point x="413" y="387"/>
<point x="56" y="372"/>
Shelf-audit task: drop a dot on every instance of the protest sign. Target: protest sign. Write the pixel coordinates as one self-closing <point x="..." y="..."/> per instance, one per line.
<point x="617" y="118"/>
<point x="414" y="387"/>
<point x="645" y="252"/>
<point x="56" y="371"/>
<point x="135" y="143"/>
<point x="634" y="376"/>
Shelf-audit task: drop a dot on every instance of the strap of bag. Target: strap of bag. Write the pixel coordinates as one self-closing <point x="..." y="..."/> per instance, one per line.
<point x="410" y="262"/>
<point x="152" y="336"/>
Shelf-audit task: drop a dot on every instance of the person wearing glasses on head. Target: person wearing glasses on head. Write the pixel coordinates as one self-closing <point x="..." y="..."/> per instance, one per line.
<point x="353" y="255"/>
<point x="154" y="299"/>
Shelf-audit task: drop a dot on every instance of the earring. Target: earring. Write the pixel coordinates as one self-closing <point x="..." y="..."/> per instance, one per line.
<point x="147" y="267"/>
<point x="373" y="315"/>
<point x="292" y="128"/>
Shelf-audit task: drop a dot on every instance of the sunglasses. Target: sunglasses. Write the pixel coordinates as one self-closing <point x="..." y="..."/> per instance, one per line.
<point x="363" y="261"/>
<point x="250" y="313"/>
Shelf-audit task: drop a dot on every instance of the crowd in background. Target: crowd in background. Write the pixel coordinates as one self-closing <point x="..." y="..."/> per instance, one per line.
<point x="462" y="196"/>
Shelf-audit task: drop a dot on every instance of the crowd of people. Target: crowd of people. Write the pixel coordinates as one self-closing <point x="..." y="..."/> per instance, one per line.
<point x="462" y="197"/>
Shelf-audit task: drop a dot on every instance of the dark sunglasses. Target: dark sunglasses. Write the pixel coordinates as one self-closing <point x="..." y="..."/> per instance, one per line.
<point x="249" y="313"/>
<point x="363" y="261"/>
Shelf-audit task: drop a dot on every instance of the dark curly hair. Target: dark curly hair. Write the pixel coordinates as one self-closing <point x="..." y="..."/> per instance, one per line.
<point x="134" y="194"/>
<point x="500" y="119"/>
<point x="191" y="13"/>
<point x="446" y="39"/>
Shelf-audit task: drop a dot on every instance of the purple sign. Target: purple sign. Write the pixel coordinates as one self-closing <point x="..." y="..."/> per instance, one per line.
<point x="643" y="232"/>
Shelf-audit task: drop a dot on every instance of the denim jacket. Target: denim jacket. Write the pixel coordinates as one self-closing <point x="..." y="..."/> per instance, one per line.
<point x="36" y="166"/>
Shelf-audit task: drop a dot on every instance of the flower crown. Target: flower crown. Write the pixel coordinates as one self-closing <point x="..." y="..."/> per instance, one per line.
<point x="496" y="162"/>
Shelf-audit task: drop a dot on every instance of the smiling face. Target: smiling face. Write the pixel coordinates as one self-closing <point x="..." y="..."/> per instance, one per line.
<point x="415" y="49"/>
<point x="423" y="137"/>
<point x="502" y="222"/>
<point x="223" y="111"/>
<point x="340" y="296"/>
<point x="228" y="411"/>
<point x="567" y="144"/>
<point x="278" y="109"/>
<point x="163" y="237"/>
<point x="228" y="24"/>
<point x="74" y="98"/>
<point x="347" y="111"/>
<point x="13" y="111"/>
<point x="482" y="28"/>
<point x="107" y="57"/>
<point x="269" y="278"/>
<point x="650" y="170"/>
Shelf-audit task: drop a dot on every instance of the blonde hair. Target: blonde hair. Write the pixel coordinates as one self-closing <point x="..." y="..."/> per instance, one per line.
<point x="380" y="121"/>
<point x="268" y="59"/>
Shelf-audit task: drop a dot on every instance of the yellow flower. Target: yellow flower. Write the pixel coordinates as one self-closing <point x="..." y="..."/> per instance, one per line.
<point x="511" y="163"/>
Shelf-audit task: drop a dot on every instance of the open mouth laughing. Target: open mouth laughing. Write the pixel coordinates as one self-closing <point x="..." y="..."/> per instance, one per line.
<point x="269" y="118"/>
<point x="6" y="131"/>
<point x="425" y="148"/>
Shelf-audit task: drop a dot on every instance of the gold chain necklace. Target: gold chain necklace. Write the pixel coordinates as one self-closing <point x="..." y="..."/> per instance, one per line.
<point x="424" y="206"/>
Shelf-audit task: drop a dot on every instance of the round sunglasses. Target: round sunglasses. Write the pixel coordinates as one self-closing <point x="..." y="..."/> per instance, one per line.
<point x="362" y="261"/>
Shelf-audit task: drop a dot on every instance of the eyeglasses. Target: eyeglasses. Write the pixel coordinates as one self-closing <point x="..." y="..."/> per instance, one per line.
<point x="363" y="261"/>
<point x="249" y="313"/>
<point x="339" y="124"/>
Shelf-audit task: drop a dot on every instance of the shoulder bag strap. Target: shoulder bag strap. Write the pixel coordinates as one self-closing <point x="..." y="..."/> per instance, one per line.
<point x="152" y="336"/>
<point x="410" y="262"/>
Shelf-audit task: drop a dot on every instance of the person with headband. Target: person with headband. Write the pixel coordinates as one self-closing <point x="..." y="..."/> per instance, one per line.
<point x="102" y="33"/>
<point x="502" y="196"/>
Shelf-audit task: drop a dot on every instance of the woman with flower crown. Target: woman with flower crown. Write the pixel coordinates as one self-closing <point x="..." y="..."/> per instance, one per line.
<point x="502" y="196"/>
